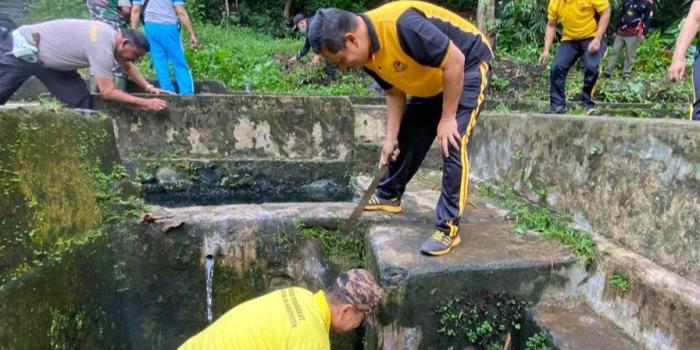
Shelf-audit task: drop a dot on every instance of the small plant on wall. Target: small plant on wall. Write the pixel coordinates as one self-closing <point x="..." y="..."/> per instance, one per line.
<point x="619" y="282"/>
<point x="485" y="320"/>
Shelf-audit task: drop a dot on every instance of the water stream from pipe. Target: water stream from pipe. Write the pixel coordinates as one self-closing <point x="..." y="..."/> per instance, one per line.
<point x="210" y="282"/>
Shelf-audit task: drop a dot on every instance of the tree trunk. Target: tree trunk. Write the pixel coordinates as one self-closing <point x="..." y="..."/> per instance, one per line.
<point x="228" y="13"/>
<point x="287" y="8"/>
<point x="486" y="18"/>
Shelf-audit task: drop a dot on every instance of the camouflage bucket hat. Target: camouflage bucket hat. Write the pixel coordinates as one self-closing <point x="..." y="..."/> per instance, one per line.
<point x="362" y="291"/>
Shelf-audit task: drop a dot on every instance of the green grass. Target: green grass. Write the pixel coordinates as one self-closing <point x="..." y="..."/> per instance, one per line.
<point x="619" y="282"/>
<point x="344" y="251"/>
<point x="536" y="217"/>
<point x="50" y="103"/>
<point x="235" y="56"/>
<point x="239" y="56"/>
<point x="43" y="10"/>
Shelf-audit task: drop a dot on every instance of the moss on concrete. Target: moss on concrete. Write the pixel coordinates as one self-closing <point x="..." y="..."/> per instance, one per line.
<point x="48" y="162"/>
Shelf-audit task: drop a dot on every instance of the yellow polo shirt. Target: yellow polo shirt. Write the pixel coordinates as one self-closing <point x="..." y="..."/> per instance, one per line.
<point x="291" y="318"/>
<point x="577" y="17"/>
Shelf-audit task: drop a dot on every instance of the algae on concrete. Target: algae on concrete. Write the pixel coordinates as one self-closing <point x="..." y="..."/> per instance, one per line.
<point x="48" y="162"/>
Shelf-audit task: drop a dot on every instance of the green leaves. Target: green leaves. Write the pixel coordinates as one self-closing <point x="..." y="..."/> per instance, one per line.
<point x="480" y="317"/>
<point x="239" y="56"/>
<point x="619" y="282"/>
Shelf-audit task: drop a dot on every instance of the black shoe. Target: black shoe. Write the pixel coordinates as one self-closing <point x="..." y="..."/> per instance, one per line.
<point x="557" y="110"/>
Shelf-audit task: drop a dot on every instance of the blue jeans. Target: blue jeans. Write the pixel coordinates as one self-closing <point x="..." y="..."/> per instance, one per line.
<point x="166" y="47"/>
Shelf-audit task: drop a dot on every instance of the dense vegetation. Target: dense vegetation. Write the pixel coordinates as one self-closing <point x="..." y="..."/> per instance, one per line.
<point x="250" y="42"/>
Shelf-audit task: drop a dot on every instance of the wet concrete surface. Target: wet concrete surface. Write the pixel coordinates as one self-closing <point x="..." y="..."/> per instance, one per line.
<point x="579" y="328"/>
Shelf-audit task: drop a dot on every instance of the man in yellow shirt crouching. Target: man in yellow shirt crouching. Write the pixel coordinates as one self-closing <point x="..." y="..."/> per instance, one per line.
<point x="294" y="318"/>
<point x="584" y="23"/>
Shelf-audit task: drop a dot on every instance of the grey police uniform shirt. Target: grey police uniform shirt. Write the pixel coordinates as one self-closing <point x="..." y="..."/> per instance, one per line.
<point x="71" y="44"/>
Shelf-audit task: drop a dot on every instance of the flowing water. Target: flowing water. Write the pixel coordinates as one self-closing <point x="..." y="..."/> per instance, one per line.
<point x="210" y="281"/>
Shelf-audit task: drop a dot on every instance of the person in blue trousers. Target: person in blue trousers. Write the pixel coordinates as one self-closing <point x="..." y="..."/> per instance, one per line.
<point x="162" y="20"/>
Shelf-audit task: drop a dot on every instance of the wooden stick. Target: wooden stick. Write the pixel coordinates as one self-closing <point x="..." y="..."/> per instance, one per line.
<point x="506" y="346"/>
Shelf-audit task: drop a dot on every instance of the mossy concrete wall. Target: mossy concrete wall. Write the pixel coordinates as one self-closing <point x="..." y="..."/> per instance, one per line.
<point x="112" y="282"/>
<point x="636" y="182"/>
<point x="239" y="145"/>
<point x="48" y="160"/>
<point x="163" y="261"/>
<point x="56" y="281"/>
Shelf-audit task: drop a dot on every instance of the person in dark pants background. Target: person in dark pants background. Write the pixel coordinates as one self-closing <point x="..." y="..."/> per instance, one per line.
<point x="677" y="69"/>
<point x="53" y="51"/>
<point x="582" y="37"/>
<point x="301" y="24"/>
<point x="635" y="21"/>
<point x="414" y="48"/>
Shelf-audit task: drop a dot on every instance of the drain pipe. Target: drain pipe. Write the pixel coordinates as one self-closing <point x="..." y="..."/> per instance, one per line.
<point x="212" y="250"/>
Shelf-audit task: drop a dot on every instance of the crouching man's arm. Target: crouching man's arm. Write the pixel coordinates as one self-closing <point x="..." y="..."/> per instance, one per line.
<point x="108" y="91"/>
<point x="130" y="69"/>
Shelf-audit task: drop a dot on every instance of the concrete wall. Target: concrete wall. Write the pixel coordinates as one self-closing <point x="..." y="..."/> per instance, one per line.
<point x="47" y="164"/>
<point x="54" y="286"/>
<point x="238" y="126"/>
<point x="212" y="148"/>
<point x="370" y="124"/>
<point x="636" y="182"/>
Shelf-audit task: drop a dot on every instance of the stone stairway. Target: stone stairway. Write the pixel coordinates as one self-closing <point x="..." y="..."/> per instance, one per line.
<point x="492" y="257"/>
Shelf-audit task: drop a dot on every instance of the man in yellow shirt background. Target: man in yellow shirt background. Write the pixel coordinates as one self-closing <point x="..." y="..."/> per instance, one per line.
<point x="294" y="318"/>
<point x="584" y="23"/>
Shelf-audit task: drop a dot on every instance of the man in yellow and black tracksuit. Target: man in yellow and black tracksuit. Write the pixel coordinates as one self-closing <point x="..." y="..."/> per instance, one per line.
<point x="439" y="59"/>
<point x="584" y="23"/>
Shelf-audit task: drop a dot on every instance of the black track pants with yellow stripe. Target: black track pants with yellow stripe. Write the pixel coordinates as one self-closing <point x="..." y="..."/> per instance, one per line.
<point x="416" y="135"/>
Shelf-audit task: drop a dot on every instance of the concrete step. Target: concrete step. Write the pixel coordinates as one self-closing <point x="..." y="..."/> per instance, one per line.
<point x="491" y="259"/>
<point x="659" y="309"/>
<point x="579" y="328"/>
